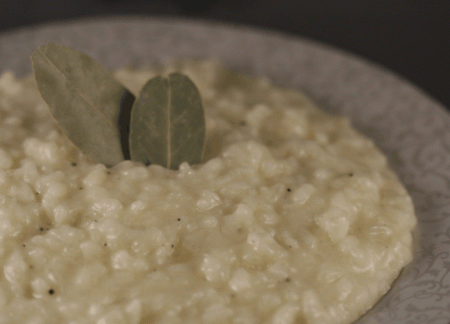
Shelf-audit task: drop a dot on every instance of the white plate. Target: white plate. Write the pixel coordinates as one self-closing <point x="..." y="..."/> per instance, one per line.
<point x="411" y="128"/>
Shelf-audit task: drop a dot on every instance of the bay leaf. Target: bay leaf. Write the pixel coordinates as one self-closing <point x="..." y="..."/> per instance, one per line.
<point x="84" y="98"/>
<point x="167" y="124"/>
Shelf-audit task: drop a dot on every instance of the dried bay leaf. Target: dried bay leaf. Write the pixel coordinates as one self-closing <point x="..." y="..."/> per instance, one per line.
<point x="164" y="126"/>
<point x="167" y="124"/>
<point x="84" y="98"/>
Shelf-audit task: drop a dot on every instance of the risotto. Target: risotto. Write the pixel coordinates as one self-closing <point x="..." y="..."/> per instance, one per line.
<point x="293" y="217"/>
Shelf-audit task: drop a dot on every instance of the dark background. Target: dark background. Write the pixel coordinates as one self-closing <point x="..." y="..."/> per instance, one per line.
<point x="409" y="37"/>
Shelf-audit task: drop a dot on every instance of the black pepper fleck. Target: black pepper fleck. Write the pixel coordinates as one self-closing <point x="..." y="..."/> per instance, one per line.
<point x="287" y="279"/>
<point x="289" y="189"/>
<point x="350" y="174"/>
<point x="74" y="164"/>
<point x="41" y="229"/>
<point x="178" y="219"/>
<point x="51" y="291"/>
<point x="105" y="244"/>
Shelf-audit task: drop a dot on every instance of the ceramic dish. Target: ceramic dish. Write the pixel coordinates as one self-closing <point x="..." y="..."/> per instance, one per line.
<point x="412" y="129"/>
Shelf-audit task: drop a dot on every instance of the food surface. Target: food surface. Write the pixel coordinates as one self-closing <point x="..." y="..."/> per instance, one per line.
<point x="293" y="217"/>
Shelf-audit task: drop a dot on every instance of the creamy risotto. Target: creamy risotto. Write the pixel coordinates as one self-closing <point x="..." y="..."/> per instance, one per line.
<point x="293" y="217"/>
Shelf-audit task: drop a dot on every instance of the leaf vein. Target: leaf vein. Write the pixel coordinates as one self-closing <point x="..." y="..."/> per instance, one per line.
<point x="83" y="97"/>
